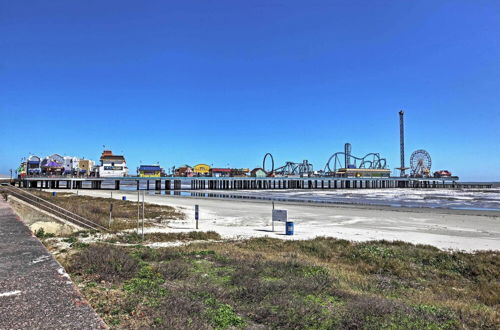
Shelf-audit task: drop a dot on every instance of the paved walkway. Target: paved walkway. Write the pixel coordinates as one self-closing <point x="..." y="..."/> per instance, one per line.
<point x="35" y="291"/>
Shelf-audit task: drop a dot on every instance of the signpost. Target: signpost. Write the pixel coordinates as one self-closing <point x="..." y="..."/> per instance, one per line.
<point x="138" y="210"/>
<point x="196" y="214"/>
<point x="143" y="193"/>
<point x="279" y="215"/>
<point x="110" y="214"/>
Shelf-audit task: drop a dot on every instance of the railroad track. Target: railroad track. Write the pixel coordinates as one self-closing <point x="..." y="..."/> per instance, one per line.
<point x="52" y="208"/>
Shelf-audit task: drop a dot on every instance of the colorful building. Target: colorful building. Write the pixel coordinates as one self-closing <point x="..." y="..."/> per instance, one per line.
<point x="240" y="171"/>
<point x="258" y="173"/>
<point x="363" y="172"/>
<point x="218" y="172"/>
<point x="184" y="170"/>
<point x="52" y="165"/>
<point x="150" y="171"/>
<point x="201" y="169"/>
<point x="22" y="170"/>
<point x="85" y="166"/>
<point x="33" y="165"/>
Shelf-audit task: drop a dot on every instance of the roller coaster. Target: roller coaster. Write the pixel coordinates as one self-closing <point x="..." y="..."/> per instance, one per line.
<point x="336" y="161"/>
<point x="369" y="161"/>
<point x="290" y="168"/>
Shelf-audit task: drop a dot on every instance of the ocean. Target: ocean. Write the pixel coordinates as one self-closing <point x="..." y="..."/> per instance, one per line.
<point x="466" y="199"/>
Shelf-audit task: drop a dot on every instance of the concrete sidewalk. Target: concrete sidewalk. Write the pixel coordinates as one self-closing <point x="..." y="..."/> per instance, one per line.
<point x="35" y="291"/>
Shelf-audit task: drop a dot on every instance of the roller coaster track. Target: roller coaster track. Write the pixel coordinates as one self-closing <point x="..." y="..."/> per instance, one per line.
<point x="52" y="208"/>
<point x="291" y="168"/>
<point x="369" y="161"/>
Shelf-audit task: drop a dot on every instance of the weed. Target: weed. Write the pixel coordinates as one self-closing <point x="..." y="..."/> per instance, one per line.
<point x="40" y="233"/>
<point x="134" y="238"/>
<point x="316" y="284"/>
<point x="71" y="240"/>
<point x="96" y="209"/>
<point x="147" y="282"/>
<point x="105" y="262"/>
<point x="222" y="316"/>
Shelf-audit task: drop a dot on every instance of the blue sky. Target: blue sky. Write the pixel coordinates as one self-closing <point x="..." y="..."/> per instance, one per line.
<point x="224" y="82"/>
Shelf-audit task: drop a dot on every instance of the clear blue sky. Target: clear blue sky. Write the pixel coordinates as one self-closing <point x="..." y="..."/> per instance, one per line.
<point x="224" y="82"/>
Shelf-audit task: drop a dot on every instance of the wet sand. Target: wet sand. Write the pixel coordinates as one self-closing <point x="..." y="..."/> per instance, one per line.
<point x="466" y="230"/>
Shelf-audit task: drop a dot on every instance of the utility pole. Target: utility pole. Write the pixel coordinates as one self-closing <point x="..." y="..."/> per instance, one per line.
<point x="272" y="220"/>
<point x="143" y="215"/>
<point x="110" y="214"/>
<point x="138" y="210"/>
<point x="196" y="214"/>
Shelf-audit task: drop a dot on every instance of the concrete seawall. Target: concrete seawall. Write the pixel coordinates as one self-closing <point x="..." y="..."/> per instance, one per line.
<point x="35" y="291"/>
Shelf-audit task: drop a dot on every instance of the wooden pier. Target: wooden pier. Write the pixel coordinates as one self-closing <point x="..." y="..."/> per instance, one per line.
<point x="240" y="183"/>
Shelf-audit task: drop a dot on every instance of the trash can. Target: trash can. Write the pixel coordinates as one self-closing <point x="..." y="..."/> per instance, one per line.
<point x="54" y="193"/>
<point x="289" y="227"/>
<point x="124" y="198"/>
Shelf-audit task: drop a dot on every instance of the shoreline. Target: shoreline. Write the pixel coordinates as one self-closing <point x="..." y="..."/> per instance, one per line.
<point x="368" y="206"/>
<point x="239" y="219"/>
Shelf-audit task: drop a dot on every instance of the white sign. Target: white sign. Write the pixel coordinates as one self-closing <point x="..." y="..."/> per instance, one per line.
<point x="280" y="215"/>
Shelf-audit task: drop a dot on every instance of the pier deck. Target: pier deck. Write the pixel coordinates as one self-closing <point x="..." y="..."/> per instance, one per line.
<point x="240" y="183"/>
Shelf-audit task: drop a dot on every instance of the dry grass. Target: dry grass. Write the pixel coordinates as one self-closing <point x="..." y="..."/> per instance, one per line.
<point x="135" y="238"/>
<point x="322" y="284"/>
<point x="97" y="209"/>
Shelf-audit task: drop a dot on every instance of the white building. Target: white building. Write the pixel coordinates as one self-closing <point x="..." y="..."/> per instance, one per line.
<point x="112" y="165"/>
<point x="70" y="165"/>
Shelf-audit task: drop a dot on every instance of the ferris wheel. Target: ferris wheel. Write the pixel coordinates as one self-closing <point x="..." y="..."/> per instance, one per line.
<point x="420" y="163"/>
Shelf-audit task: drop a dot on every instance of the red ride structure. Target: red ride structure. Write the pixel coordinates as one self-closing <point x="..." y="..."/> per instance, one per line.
<point x="442" y="174"/>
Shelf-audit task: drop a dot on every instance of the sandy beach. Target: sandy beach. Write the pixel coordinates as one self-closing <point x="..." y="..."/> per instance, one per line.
<point x="466" y="230"/>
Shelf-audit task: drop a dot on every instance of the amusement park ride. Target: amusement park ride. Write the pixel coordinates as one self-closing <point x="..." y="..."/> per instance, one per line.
<point x="344" y="164"/>
<point x="339" y="164"/>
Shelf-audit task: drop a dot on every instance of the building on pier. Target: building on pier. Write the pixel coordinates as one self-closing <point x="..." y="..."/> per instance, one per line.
<point x="363" y="172"/>
<point x="184" y="171"/>
<point x="240" y="172"/>
<point x="70" y="165"/>
<point x="220" y="172"/>
<point x="150" y="171"/>
<point x="258" y="173"/>
<point x="112" y="165"/>
<point x="85" y="167"/>
<point x="33" y="165"/>
<point x="201" y="170"/>
<point x="51" y="167"/>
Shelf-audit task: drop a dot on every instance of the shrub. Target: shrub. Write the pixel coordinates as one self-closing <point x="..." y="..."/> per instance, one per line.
<point x="105" y="262"/>
<point x="134" y="238"/>
<point x="40" y="233"/>
<point x="147" y="282"/>
<point x="174" y="270"/>
<point x="222" y="316"/>
<point x="181" y="310"/>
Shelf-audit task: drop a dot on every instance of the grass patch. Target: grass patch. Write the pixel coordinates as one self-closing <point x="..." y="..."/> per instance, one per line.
<point x="104" y="262"/>
<point x="135" y="238"/>
<point x="317" y="284"/>
<point x="96" y="209"/>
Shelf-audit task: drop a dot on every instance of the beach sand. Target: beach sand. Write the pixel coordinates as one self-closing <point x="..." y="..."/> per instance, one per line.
<point x="466" y="230"/>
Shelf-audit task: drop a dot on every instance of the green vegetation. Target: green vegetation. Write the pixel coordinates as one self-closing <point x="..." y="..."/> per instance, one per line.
<point x="40" y="233"/>
<point x="96" y="209"/>
<point x="134" y="238"/>
<point x="315" y="284"/>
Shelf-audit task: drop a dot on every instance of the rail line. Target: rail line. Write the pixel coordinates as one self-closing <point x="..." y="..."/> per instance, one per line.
<point x="53" y="209"/>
